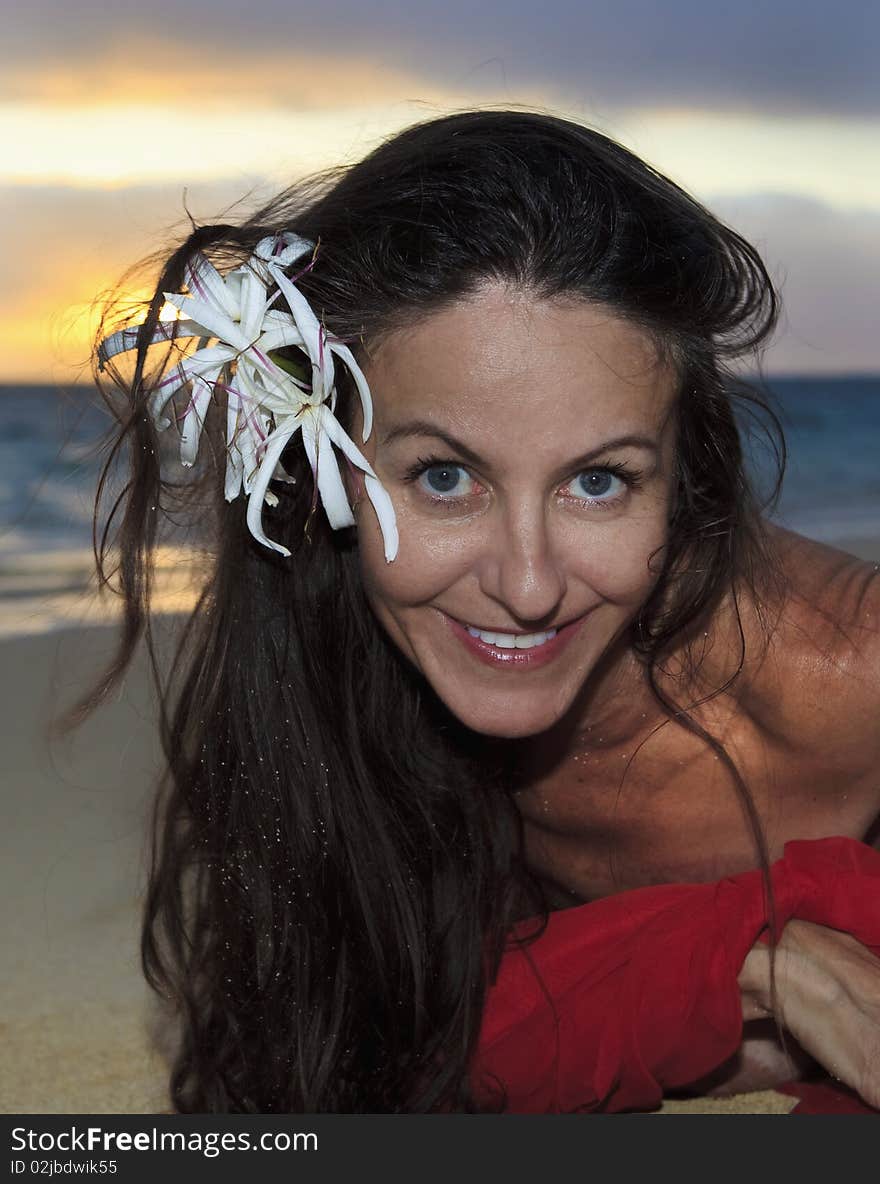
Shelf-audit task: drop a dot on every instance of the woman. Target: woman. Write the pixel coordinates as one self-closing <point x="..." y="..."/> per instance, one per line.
<point x="560" y="655"/>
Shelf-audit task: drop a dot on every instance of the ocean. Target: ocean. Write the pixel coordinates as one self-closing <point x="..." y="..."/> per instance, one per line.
<point x="49" y="469"/>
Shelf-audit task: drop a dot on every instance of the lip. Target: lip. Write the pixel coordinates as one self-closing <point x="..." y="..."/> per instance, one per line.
<point x="512" y="659"/>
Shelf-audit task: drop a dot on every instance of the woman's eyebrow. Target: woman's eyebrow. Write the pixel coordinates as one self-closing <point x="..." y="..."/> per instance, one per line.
<point x="421" y="427"/>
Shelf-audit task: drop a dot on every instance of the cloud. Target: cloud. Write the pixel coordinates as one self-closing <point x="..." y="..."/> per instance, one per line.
<point x="118" y="144"/>
<point x="731" y="100"/>
<point x="68" y="249"/>
<point x="833" y="161"/>
<point x="70" y="245"/>
<point x="827" y="263"/>
<point x="789" y="56"/>
<point x="151" y="71"/>
<point x="114" y="144"/>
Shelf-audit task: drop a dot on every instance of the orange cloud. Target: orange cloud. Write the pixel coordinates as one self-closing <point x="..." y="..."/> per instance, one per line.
<point x="70" y="250"/>
<point x="162" y="72"/>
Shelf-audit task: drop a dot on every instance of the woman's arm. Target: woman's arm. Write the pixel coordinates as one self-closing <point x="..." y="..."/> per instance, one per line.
<point x="828" y="988"/>
<point x="639" y="994"/>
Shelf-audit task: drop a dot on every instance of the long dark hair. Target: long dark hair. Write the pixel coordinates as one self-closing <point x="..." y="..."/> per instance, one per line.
<point x="336" y="860"/>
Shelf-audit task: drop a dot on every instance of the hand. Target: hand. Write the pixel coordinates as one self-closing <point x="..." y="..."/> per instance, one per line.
<point x="828" y="989"/>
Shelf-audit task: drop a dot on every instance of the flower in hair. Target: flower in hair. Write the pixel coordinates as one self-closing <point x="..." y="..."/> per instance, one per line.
<point x="268" y="399"/>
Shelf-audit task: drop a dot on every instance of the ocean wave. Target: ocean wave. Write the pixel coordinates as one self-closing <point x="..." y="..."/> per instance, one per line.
<point x="50" y="472"/>
<point x="43" y="591"/>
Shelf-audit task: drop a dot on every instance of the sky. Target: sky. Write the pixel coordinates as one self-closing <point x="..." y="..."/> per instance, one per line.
<point x="113" y="127"/>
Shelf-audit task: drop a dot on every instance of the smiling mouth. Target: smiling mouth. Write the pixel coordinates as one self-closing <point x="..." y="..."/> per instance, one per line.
<point x="514" y="639"/>
<point x="501" y="632"/>
<point x="506" y="647"/>
<point x="510" y="641"/>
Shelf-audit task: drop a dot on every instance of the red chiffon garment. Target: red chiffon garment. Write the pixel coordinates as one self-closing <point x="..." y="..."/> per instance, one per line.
<point x="629" y="997"/>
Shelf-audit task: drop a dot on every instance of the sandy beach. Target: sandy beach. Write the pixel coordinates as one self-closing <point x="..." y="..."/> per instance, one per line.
<point x="79" y="1026"/>
<point x="75" y="1011"/>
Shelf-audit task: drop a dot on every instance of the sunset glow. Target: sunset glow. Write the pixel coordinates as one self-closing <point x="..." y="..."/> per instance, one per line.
<point x="134" y="144"/>
<point x="106" y="153"/>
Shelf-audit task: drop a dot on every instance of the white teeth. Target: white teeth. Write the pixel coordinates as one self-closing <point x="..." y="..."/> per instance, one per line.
<point x="509" y="641"/>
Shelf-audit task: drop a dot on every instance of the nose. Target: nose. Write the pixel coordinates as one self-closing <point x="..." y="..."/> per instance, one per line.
<point x="522" y="569"/>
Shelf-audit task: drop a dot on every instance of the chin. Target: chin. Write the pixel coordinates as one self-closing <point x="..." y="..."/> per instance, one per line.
<point x="504" y="730"/>
<point x="504" y="720"/>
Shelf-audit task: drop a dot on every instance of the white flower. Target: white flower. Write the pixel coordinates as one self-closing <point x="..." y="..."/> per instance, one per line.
<point x="266" y="402"/>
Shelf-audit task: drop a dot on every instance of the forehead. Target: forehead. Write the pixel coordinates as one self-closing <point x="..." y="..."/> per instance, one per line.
<point x="503" y="362"/>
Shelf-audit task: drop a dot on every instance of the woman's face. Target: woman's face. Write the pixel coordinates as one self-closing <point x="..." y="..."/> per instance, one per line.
<point x="528" y="448"/>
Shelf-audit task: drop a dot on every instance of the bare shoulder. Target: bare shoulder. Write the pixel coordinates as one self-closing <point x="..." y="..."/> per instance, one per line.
<point x="832" y="601"/>
<point x="819" y="680"/>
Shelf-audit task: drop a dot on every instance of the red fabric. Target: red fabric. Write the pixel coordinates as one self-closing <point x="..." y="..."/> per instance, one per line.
<point x="825" y="1097"/>
<point x="625" y="998"/>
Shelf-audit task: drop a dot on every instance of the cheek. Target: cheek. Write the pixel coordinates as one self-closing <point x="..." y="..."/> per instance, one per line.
<point x="427" y="563"/>
<point x="622" y="562"/>
<point x="619" y="560"/>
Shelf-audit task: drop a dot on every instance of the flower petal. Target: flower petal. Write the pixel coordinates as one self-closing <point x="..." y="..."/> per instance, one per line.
<point x="382" y="504"/>
<point x="207" y="284"/>
<point x="234" y="474"/>
<point x="322" y="458"/>
<point x="250" y="428"/>
<point x="357" y="374"/>
<point x="193" y="420"/>
<point x="306" y="321"/>
<point x="252" y="303"/>
<point x="376" y="492"/>
<point x="218" y="323"/>
<point x="125" y="339"/>
<point x="284" y="388"/>
<point x="233" y="287"/>
<point x="234" y="462"/>
<point x="277" y="336"/>
<point x="258" y="394"/>
<point x="247" y="446"/>
<point x="294" y="246"/>
<point x="201" y="362"/>
<point x="274" y="447"/>
<point x="276" y="316"/>
<point x="312" y="331"/>
<point x="334" y="429"/>
<point x="281" y="474"/>
<point x="331" y="487"/>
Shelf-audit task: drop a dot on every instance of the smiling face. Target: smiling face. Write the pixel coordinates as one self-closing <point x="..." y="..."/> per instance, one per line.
<point x="528" y="448"/>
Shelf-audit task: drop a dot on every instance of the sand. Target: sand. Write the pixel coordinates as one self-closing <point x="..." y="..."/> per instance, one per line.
<point x="73" y="1006"/>
<point x="76" y="1018"/>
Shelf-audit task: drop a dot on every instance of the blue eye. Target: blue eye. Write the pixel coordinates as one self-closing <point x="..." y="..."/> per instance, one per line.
<point x="445" y="480"/>
<point x="594" y="485"/>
